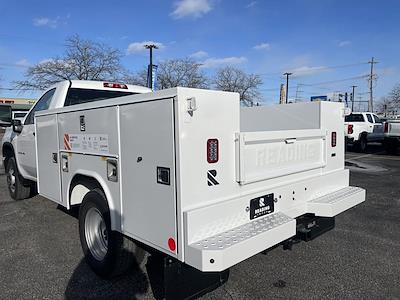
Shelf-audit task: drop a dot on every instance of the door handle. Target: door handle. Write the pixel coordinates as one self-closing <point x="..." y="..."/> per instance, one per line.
<point x="34" y="134"/>
<point x="290" y="141"/>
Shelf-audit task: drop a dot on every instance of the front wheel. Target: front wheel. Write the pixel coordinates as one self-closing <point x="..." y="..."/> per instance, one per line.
<point x="16" y="188"/>
<point x="107" y="252"/>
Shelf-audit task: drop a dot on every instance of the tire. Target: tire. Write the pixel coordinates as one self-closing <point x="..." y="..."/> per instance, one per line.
<point x="362" y="144"/>
<point x="15" y="182"/>
<point x="107" y="252"/>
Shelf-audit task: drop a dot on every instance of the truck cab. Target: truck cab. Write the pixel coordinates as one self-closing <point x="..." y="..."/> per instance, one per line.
<point x="362" y="128"/>
<point x="18" y="144"/>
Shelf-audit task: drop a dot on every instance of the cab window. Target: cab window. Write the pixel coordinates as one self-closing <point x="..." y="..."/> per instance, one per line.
<point x="377" y="120"/>
<point x="354" y="118"/>
<point x="79" y="96"/>
<point x="369" y="117"/>
<point x="42" y="104"/>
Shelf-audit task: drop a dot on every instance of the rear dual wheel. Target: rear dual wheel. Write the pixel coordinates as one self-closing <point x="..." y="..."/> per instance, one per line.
<point x="108" y="252"/>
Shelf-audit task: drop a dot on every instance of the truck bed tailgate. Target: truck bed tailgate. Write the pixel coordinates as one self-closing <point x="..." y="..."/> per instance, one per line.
<point x="269" y="154"/>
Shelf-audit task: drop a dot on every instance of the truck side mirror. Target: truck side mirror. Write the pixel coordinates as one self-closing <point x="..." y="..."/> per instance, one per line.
<point x="17" y="125"/>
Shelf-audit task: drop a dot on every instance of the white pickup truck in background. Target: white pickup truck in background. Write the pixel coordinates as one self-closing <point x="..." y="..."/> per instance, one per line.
<point x="18" y="143"/>
<point x="392" y="135"/>
<point x="362" y="128"/>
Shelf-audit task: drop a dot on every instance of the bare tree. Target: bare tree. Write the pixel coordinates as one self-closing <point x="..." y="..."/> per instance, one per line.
<point x="180" y="72"/>
<point x="384" y="106"/>
<point x="235" y="80"/>
<point x="83" y="59"/>
<point x="140" y="78"/>
<point x="394" y="95"/>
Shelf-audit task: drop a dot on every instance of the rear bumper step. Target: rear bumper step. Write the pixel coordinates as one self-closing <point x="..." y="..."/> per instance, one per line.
<point x="224" y="250"/>
<point x="334" y="203"/>
<point x="221" y="251"/>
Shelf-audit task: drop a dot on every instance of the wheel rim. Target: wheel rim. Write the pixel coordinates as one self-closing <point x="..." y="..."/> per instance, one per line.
<point x="96" y="233"/>
<point x="11" y="178"/>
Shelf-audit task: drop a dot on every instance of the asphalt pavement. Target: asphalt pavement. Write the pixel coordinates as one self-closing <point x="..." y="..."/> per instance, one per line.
<point x="41" y="257"/>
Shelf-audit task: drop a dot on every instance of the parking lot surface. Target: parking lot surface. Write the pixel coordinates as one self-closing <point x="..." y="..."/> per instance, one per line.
<point x="41" y="257"/>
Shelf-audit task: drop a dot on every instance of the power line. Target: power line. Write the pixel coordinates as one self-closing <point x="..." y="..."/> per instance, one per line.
<point x="6" y="65"/>
<point x="335" y="81"/>
<point x="319" y="68"/>
<point x="17" y="89"/>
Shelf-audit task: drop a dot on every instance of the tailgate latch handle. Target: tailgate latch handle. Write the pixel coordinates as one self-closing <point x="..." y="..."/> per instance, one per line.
<point x="191" y="105"/>
<point x="290" y="141"/>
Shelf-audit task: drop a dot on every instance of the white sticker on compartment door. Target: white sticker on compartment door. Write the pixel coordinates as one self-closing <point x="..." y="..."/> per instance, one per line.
<point x="97" y="143"/>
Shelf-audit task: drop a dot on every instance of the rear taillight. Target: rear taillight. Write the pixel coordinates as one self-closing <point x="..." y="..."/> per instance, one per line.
<point x="212" y="151"/>
<point x="115" y="85"/>
<point x="333" y="139"/>
<point x="350" y="129"/>
<point x="386" y="127"/>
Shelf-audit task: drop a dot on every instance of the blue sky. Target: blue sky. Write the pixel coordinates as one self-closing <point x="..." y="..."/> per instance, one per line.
<point x="322" y="42"/>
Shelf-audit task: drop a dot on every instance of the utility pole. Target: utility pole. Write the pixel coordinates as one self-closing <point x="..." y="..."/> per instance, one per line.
<point x="352" y="97"/>
<point x="298" y="91"/>
<point x="287" y="74"/>
<point x="150" y="69"/>
<point x="371" y="78"/>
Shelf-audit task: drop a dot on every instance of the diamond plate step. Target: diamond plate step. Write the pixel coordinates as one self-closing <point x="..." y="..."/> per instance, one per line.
<point x="226" y="249"/>
<point x="334" y="203"/>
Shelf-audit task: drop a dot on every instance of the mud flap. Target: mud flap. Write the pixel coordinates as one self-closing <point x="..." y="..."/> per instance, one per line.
<point x="172" y="279"/>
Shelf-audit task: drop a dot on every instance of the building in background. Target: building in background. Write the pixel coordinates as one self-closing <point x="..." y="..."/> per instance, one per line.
<point x="319" y="98"/>
<point x="18" y="103"/>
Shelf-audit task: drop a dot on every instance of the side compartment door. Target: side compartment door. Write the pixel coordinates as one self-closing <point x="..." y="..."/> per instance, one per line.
<point x="48" y="158"/>
<point x="148" y="173"/>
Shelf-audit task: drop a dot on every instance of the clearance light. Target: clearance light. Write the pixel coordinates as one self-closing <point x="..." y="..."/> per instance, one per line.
<point x="115" y="85"/>
<point x="171" y="244"/>
<point x="333" y="139"/>
<point x="212" y="151"/>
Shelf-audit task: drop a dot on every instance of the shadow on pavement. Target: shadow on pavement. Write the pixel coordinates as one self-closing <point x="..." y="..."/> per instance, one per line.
<point x="85" y="284"/>
<point x="372" y="148"/>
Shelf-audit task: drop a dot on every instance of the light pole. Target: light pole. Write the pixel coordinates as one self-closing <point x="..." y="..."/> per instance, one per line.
<point x="150" y="70"/>
<point x="287" y="74"/>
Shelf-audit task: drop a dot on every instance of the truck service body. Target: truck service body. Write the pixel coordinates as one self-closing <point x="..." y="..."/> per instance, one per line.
<point x="191" y="175"/>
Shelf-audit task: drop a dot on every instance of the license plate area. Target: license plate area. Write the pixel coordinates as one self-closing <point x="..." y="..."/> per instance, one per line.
<point x="261" y="206"/>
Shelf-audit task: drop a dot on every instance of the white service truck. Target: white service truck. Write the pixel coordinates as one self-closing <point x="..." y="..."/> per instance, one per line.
<point x="392" y="135"/>
<point x="362" y="128"/>
<point x="191" y="177"/>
